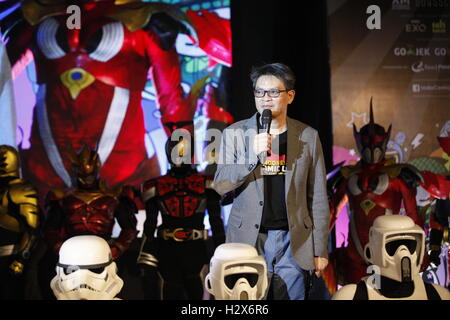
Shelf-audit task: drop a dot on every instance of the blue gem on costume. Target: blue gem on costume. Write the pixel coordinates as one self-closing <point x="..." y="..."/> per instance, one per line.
<point x="76" y="75"/>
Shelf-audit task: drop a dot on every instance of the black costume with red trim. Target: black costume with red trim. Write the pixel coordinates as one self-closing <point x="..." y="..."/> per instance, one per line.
<point x="179" y="250"/>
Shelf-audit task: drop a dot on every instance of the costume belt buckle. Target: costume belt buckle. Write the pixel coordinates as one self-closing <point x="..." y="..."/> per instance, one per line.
<point x="199" y="234"/>
<point x="176" y="238"/>
<point x="166" y="234"/>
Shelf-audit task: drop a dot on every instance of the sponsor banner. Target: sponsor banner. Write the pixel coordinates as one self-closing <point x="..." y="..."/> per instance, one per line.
<point x="404" y="65"/>
<point x="396" y="52"/>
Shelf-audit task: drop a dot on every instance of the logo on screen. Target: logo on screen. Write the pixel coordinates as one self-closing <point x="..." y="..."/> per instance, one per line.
<point x="439" y="27"/>
<point x="416" y="87"/>
<point x="421" y="52"/>
<point x="415" y="26"/>
<point x="400" y="5"/>
<point x="418" y="67"/>
<point x="432" y="3"/>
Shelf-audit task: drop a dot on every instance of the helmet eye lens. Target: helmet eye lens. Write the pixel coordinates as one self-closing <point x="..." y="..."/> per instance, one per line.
<point x="231" y="279"/>
<point x="70" y="270"/>
<point x="391" y="247"/>
<point x="97" y="270"/>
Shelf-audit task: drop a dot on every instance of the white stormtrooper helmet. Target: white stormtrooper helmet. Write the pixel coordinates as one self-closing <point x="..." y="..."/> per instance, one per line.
<point x="236" y="272"/>
<point x="86" y="271"/>
<point x="396" y="245"/>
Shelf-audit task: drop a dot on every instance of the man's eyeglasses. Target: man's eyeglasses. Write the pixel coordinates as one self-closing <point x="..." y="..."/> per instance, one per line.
<point x="273" y="93"/>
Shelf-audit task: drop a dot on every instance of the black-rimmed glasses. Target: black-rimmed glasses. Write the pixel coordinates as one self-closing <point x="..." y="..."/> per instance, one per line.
<point x="273" y="93"/>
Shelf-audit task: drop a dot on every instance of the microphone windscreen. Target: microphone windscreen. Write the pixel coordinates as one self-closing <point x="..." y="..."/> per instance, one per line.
<point x="266" y="118"/>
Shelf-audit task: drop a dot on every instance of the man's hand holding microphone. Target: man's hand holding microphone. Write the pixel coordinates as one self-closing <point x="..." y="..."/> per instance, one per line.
<point x="263" y="140"/>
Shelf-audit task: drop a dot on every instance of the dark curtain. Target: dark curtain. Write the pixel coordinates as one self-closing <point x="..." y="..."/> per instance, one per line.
<point x="295" y="34"/>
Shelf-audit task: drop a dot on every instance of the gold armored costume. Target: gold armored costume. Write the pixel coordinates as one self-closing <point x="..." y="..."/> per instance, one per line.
<point x="19" y="221"/>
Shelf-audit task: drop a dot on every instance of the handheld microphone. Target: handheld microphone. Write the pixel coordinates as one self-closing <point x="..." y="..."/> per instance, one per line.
<point x="266" y="119"/>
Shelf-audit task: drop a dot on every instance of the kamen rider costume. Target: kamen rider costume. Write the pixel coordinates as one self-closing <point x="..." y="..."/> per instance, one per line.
<point x="373" y="187"/>
<point x="179" y="250"/>
<point x="438" y="186"/>
<point x="19" y="225"/>
<point x="90" y="208"/>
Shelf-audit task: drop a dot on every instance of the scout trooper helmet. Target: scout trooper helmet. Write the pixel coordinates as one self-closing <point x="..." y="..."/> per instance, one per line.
<point x="237" y="273"/>
<point x="396" y="245"/>
<point x="85" y="270"/>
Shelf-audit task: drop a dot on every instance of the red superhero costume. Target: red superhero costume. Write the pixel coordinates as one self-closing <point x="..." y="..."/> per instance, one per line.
<point x="373" y="187"/>
<point x="179" y="250"/>
<point x="438" y="185"/>
<point x="90" y="83"/>
<point x="90" y="208"/>
<point x="214" y="35"/>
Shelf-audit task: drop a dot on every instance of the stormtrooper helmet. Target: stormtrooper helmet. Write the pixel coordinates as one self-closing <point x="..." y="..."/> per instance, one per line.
<point x="396" y="245"/>
<point x="85" y="270"/>
<point x="237" y="273"/>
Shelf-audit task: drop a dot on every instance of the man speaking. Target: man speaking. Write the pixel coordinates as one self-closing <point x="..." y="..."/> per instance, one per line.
<point x="274" y="167"/>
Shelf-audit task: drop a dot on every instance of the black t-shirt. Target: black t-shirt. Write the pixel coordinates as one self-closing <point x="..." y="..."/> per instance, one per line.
<point x="274" y="215"/>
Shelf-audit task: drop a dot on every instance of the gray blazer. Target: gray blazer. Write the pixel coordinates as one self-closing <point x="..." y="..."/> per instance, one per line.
<point x="239" y="171"/>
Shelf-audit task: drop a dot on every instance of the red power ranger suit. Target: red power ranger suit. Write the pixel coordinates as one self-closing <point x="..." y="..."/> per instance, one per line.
<point x="373" y="187"/>
<point x="91" y="80"/>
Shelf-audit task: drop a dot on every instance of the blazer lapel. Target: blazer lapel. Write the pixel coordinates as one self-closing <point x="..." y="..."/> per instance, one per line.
<point x="251" y="124"/>
<point x="294" y="149"/>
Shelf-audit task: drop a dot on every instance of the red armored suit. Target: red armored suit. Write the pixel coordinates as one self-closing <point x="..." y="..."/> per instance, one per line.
<point x="90" y="80"/>
<point x="214" y="35"/>
<point x="439" y="188"/>
<point x="372" y="187"/>
<point x="90" y="208"/>
<point x="179" y="251"/>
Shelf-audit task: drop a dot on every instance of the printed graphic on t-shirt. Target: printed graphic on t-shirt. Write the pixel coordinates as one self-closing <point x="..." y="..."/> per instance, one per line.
<point x="275" y="164"/>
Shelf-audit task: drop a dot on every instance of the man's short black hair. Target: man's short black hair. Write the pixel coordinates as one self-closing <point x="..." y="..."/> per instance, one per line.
<point x="278" y="70"/>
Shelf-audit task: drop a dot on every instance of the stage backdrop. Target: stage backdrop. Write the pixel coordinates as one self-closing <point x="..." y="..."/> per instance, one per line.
<point x="404" y="66"/>
<point x="195" y="63"/>
<point x="211" y="21"/>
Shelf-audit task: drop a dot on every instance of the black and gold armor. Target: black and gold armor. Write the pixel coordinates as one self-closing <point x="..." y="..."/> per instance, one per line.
<point x="19" y="223"/>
